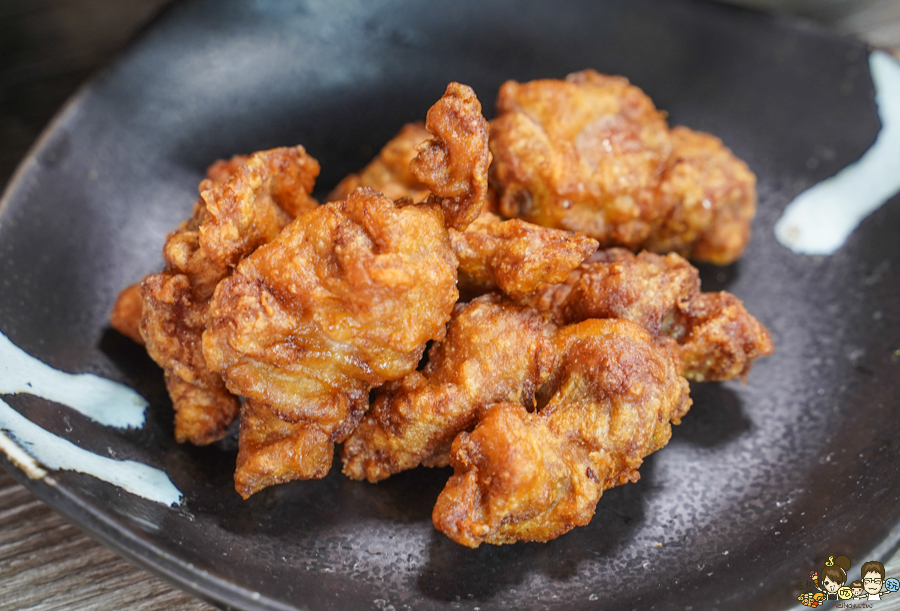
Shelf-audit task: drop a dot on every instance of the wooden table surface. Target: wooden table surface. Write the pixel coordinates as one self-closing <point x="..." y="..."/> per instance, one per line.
<point x="48" y="48"/>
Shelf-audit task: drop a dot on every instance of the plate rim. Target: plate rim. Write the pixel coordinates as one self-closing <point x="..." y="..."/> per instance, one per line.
<point x="100" y="523"/>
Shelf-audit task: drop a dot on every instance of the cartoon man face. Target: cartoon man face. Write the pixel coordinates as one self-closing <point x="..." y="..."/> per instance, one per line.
<point x="872" y="582"/>
<point x="832" y="586"/>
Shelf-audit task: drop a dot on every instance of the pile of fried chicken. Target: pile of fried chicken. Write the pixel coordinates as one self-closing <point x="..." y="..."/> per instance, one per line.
<point x="556" y="358"/>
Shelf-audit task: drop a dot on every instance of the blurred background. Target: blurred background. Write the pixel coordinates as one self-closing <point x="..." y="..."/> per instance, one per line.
<point x="48" y="48"/>
<point x="875" y="21"/>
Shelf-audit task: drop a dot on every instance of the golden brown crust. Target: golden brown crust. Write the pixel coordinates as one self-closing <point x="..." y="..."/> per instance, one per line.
<point x="223" y="169"/>
<point x="518" y="476"/>
<point x="250" y="208"/>
<point x="582" y="154"/>
<point x="454" y="163"/>
<point x="614" y="283"/>
<point x="244" y="202"/>
<point x="494" y="351"/>
<point x="515" y="257"/>
<point x="591" y="153"/>
<point x="717" y="338"/>
<point x="412" y="421"/>
<point x="509" y="256"/>
<point x="183" y="254"/>
<point x="722" y="339"/>
<point x="712" y="198"/>
<point x="537" y="403"/>
<point x="173" y="320"/>
<point x="344" y="299"/>
<point x="389" y="172"/>
<point x="203" y="412"/>
<point x="273" y="450"/>
<point x="126" y="313"/>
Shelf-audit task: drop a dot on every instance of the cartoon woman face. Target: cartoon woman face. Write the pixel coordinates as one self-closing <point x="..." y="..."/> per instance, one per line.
<point x="830" y="586"/>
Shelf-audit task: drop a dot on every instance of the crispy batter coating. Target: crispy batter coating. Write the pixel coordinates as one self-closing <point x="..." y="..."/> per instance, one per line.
<point x="223" y="169"/>
<point x="389" y="172"/>
<point x="273" y="449"/>
<point x="521" y="476"/>
<point x="494" y="351"/>
<point x="515" y="257"/>
<point x="492" y="346"/>
<point x="717" y="338"/>
<point x="250" y="208"/>
<point x="243" y="203"/>
<point x="721" y="339"/>
<point x="510" y="256"/>
<point x="173" y="320"/>
<point x="614" y="283"/>
<point x="583" y="154"/>
<point x="126" y="313"/>
<point x="549" y="388"/>
<point x="712" y="198"/>
<point x="454" y="163"/>
<point x="591" y="153"/>
<point x="344" y="299"/>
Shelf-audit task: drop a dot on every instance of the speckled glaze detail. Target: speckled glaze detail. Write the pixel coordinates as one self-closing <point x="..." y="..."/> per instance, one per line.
<point x="56" y="453"/>
<point x="798" y="463"/>
<point x="31" y="447"/>
<point x="820" y="219"/>
<point x="103" y="401"/>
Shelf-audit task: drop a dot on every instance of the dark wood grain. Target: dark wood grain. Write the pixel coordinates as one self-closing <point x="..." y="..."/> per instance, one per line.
<point x="47" y="564"/>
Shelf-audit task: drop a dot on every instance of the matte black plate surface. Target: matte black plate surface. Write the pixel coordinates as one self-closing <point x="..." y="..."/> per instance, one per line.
<point x="759" y="485"/>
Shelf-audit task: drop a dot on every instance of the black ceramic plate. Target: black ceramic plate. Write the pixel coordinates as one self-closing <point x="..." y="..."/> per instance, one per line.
<point x="759" y="485"/>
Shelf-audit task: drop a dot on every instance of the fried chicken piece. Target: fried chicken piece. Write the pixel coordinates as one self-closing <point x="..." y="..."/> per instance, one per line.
<point x="454" y="163"/>
<point x="204" y="407"/>
<point x="173" y="320"/>
<point x="243" y="203"/>
<point x="583" y="154"/>
<point x="717" y="338"/>
<point x="712" y="198"/>
<point x="521" y="476"/>
<point x="223" y="169"/>
<point x="492" y="346"/>
<point x="494" y="351"/>
<point x="344" y="299"/>
<point x="720" y="338"/>
<point x="614" y="283"/>
<point x="389" y="172"/>
<point x="273" y="449"/>
<point x="591" y="153"/>
<point x="510" y="256"/>
<point x="248" y="210"/>
<point x="515" y="257"/>
<point x="126" y="313"/>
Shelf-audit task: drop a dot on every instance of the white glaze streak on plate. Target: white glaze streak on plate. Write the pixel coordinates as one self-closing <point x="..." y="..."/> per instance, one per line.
<point x="20" y="458"/>
<point x="820" y="219"/>
<point x="56" y="453"/>
<point x="103" y="401"/>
